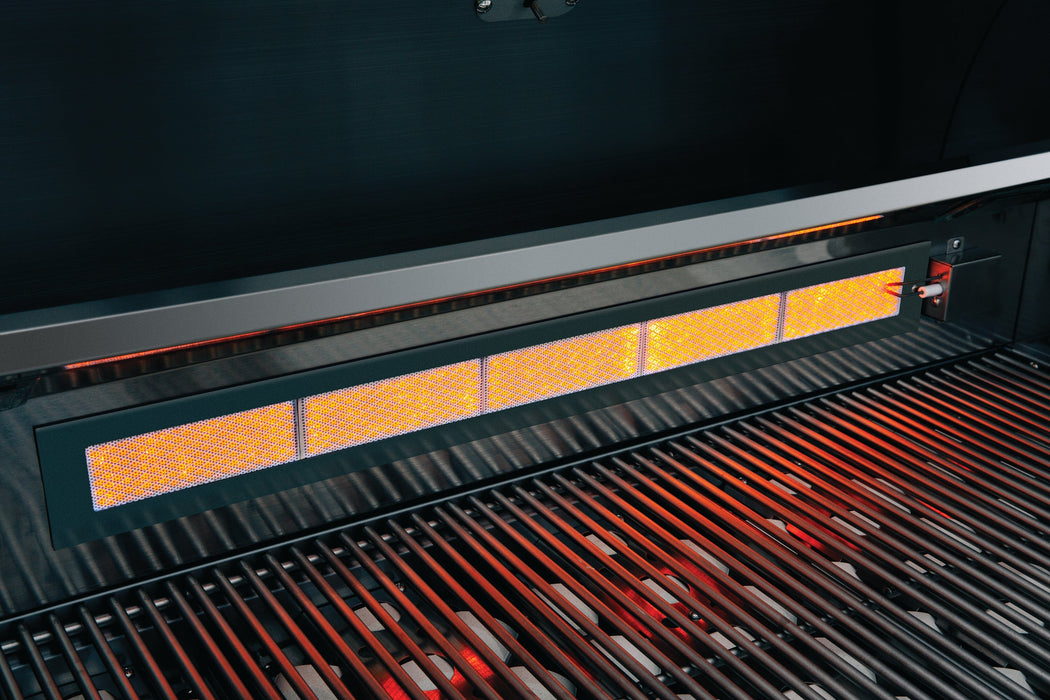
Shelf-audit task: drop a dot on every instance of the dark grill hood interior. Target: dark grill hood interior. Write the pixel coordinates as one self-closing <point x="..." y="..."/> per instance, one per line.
<point x="154" y="145"/>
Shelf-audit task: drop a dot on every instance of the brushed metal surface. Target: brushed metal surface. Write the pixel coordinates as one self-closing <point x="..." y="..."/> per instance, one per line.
<point x="53" y="337"/>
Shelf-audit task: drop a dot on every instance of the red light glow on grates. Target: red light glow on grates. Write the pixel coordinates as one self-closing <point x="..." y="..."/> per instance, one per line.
<point x="680" y="340"/>
<point x="849" y="302"/>
<point x="390" y="407"/>
<point x="562" y="367"/>
<point x="173" y="459"/>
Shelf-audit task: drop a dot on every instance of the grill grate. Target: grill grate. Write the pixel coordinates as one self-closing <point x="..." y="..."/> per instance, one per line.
<point x="885" y="542"/>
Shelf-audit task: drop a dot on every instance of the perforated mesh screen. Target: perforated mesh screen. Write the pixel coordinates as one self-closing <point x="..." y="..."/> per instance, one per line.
<point x="562" y="367"/>
<point x="849" y="302"/>
<point x="680" y="340"/>
<point x="176" y="458"/>
<point x="382" y="409"/>
<point x="170" y="460"/>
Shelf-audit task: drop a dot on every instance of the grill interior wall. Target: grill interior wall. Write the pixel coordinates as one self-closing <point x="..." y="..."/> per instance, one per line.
<point x="37" y="575"/>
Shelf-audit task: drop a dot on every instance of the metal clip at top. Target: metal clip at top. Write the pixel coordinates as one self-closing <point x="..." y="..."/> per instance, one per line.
<point x="505" y="10"/>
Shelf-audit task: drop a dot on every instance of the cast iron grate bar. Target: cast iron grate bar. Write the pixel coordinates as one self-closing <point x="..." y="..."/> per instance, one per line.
<point x="885" y="542"/>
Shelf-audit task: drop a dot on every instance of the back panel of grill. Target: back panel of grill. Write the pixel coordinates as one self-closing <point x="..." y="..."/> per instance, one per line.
<point x="888" y="541"/>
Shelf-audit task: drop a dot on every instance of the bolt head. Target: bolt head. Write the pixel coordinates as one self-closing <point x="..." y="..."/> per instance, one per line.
<point x="956" y="244"/>
<point x="482" y="6"/>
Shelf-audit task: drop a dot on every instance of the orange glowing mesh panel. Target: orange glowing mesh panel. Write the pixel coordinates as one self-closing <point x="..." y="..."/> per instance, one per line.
<point x="562" y="367"/>
<point x="691" y="337"/>
<point x="173" y="459"/>
<point x="390" y="407"/>
<point x="848" y="302"/>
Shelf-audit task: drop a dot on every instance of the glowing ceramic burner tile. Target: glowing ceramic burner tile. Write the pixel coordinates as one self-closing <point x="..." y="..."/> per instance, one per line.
<point x="840" y="304"/>
<point x="173" y="459"/>
<point x="562" y="367"/>
<point x="680" y="340"/>
<point x="390" y="407"/>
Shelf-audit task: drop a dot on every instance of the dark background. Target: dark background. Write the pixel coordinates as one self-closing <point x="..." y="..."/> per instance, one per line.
<point x="152" y="144"/>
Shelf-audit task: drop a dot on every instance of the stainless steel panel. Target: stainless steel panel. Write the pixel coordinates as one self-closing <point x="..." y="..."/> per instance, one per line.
<point x="53" y="337"/>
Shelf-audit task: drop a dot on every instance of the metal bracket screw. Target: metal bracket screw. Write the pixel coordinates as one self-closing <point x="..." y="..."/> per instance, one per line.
<point x="511" y="10"/>
<point x="534" y="5"/>
<point x="955" y="245"/>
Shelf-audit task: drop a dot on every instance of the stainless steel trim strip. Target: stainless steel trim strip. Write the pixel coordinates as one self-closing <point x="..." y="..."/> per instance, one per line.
<point x="62" y="335"/>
